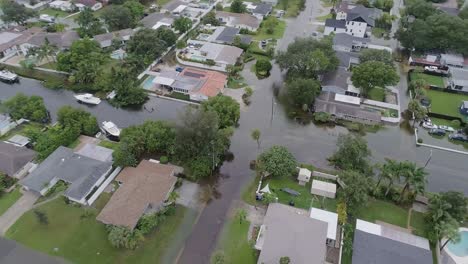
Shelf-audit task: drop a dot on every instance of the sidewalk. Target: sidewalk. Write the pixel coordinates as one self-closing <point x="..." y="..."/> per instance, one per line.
<point x="24" y="204"/>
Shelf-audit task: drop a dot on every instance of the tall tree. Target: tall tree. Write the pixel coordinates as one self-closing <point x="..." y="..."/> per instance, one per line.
<point x="371" y="74"/>
<point x="127" y="90"/>
<point x="118" y="17"/>
<point x="227" y="109"/>
<point x="420" y="8"/>
<point x="89" y="25"/>
<point x="417" y="110"/>
<point x="146" y="45"/>
<point x="277" y="161"/>
<point x="352" y="154"/>
<point x="356" y="192"/>
<point x="136" y="9"/>
<point x="442" y="224"/>
<point x="183" y="24"/>
<point x="302" y="91"/>
<point x="237" y="6"/>
<point x="458" y="205"/>
<point x="376" y="55"/>
<point x="256" y="134"/>
<point x="390" y="172"/>
<point x="27" y="107"/>
<point x="15" y="13"/>
<point x="414" y="179"/>
<point x="210" y="18"/>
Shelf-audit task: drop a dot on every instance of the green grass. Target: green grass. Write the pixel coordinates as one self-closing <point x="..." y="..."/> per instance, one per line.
<point x="60" y="186"/>
<point x="324" y="17"/>
<point x="383" y="211"/>
<point x="50" y="65"/>
<point x="430" y="79"/>
<point x="377" y="94"/>
<point x="54" y="12"/>
<point x="8" y="199"/>
<point x="74" y="144"/>
<point x="419" y="224"/>
<point x="84" y="240"/>
<point x="179" y="96"/>
<point x="234" y="243"/>
<point x="378" y="32"/>
<point x="22" y="129"/>
<point x="277" y="33"/>
<point x="443" y="122"/>
<point x="109" y="144"/>
<point x="446" y="103"/>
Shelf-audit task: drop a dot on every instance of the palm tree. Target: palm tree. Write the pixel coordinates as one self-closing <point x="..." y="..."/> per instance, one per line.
<point x="48" y="50"/>
<point x="443" y="224"/>
<point x="389" y="171"/>
<point x="256" y="136"/>
<point x="415" y="178"/>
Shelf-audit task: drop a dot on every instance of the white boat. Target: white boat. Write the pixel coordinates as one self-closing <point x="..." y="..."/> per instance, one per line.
<point x="111" y="130"/>
<point x="87" y="99"/>
<point x="8" y="76"/>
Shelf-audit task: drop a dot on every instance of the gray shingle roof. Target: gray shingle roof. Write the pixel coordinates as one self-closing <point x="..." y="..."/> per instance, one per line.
<point x="152" y="19"/>
<point x="346" y="40"/>
<point x="368" y="15"/>
<point x="13" y="158"/>
<point x="61" y="40"/>
<point x="263" y="8"/>
<point x="79" y="171"/>
<point x="227" y="35"/>
<point x="371" y="249"/>
<point x="335" y="23"/>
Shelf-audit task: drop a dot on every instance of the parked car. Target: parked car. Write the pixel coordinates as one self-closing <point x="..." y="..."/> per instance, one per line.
<point x="429" y="125"/>
<point x="431" y="68"/>
<point x="447" y="128"/>
<point x="46" y="18"/>
<point x="437" y="132"/>
<point x="458" y="136"/>
<point x="425" y="102"/>
<point x="179" y="69"/>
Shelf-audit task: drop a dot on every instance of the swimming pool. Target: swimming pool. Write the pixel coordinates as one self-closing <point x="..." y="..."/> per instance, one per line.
<point x="460" y="249"/>
<point x="148" y="83"/>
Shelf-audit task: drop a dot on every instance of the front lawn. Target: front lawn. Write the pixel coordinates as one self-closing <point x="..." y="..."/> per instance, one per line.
<point x="446" y="103"/>
<point x="234" y="243"/>
<point x="79" y="238"/>
<point x="324" y="17"/>
<point x="54" y="12"/>
<point x="430" y="79"/>
<point x="109" y="144"/>
<point x="277" y="33"/>
<point x="8" y="199"/>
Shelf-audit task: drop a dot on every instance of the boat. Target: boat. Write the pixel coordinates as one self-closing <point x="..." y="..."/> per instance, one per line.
<point x="8" y="77"/>
<point x="111" y="130"/>
<point x="87" y="99"/>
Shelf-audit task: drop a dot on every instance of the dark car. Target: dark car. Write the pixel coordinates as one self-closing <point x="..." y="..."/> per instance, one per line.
<point x="425" y="102"/>
<point x="458" y="136"/>
<point x="179" y="69"/>
<point x="437" y="132"/>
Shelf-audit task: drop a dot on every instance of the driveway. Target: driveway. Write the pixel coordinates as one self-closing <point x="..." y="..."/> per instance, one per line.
<point x="24" y="204"/>
<point x="189" y="195"/>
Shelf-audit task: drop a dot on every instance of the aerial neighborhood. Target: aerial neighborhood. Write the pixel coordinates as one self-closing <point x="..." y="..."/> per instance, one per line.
<point x="231" y="131"/>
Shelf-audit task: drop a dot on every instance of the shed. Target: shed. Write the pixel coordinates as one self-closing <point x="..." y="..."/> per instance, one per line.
<point x="18" y="140"/>
<point x="304" y="176"/>
<point x="325" y="189"/>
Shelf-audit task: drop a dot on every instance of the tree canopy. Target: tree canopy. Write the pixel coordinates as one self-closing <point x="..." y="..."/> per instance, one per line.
<point x="376" y="55"/>
<point x="118" y="17"/>
<point x="420" y="9"/>
<point x="31" y="108"/>
<point x="227" y="109"/>
<point x="352" y="153"/>
<point x="263" y="66"/>
<point x="211" y="19"/>
<point x="277" y="161"/>
<point x="68" y="116"/>
<point x="371" y="74"/>
<point x="182" y="24"/>
<point x="308" y="57"/>
<point x="89" y="24"/>
<point x="15" y="13"/>
<point x="148" y="44"/>
<point x="357" y="189"/>
<point x="237" y="6"/>
<point x="127" y="90"/>
<point x="302" y="91"/>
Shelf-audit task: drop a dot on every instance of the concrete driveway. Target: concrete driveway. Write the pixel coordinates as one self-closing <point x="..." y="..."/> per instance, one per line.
<point x="24" y="204"/>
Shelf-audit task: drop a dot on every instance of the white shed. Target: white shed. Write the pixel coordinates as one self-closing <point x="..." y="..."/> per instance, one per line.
<point x="304" y="176"/>
<point x="328" y="217"/>
<point x="325" y="189"/>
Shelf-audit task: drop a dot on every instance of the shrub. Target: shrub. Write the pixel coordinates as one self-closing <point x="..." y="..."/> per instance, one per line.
<point x="420" y="141"/>
<point x="322" y="117"/>
<point x="248" y="91"/>
<point x="163" y="160"/>
<point x="456" y="123"/>
<point x="122" y="237"/>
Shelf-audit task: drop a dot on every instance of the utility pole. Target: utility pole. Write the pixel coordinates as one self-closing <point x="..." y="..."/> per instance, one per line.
<point x="429" y="159"/>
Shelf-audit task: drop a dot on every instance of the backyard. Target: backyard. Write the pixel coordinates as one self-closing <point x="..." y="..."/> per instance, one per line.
<point x="377" y="94"/>
<point x="446" y="103"/>
<point x="73" y="233"/>
<point x="8" y="199"/>
<point x="430" y="79"/>
<point x="54" y="12"/>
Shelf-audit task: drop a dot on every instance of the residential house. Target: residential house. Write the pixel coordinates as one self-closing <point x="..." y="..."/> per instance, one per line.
<point x="288" y="231"/>
<point x="65" y="6"/>
<point x="93" y="4"/>
<point x="345" y="107"/>
<point x="6" y="124"/>
<point x="205" y="52"/>
<point x="272" y="2"/>
<point x="355" y="20"/>
<point x="464" y="108"/>
<point x="349" y="43"/>
<point x="382" y="244"/>
<point x="18" y="140"/>
<point x="425" y="60"/>
<point x="458" y="79"/>
<point x="61" y="40"/>
<point x="10" y="40"/>
<point x="143" y="189"/>
<point x="198" y="84"/>
<point x="156" y="20"/>
<point x="262" y="10"/>
<point x="331" y="218"/>
<point x="82" y="174"/>
<point x="96" y="152"/>
<point x="241" y="21"/>
<point x="304" y="176"/>
<point x="227" y="35"/>
<point x="105" y="40"/>
<point x="172" y="5"/>
<point x="14" y="160"/>
<point x="452" y="60"/>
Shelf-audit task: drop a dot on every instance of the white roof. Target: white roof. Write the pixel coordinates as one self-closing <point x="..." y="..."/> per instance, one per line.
<point x="347" y="99"/>
<point x="179" y="9"/>
<point x="266" y="189"/>
<point x="304" y="174"/>
<point x="328" y="217"/>
<point x="368" y="227"/>
<point x="163" y="80"/>
<point x="324" y="186"/>
<point x="353" y="89"/>
<point x="160" y="24"/>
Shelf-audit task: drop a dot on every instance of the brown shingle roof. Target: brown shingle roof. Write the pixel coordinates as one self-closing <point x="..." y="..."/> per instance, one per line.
<point x="147" y="184"/>
<point x="13" y="158"/>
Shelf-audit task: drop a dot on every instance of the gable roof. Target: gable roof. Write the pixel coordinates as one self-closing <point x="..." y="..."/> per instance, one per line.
<point x="152" y="19"/>
<point x="239" y="19"/>
<point x="79" y="171"/>
<point x="59" y="39"/>
<point x="378" y="244"/>
<point x="88" y="3"/>
<point x="263" y="8"/>
<point x="346" y="40"/>
<point x="335" y="23"/>
<point x="368" y="15"/>
<point x="291" y="232"/>
<point x="227" y="35"/>
<point x="11" y="38"/>
<point x="13" y="158"/>
<point x="148" y="184"/>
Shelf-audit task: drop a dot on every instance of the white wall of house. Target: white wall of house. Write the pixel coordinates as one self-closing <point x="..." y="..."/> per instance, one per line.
<point x="341" y="15"/>
<point x="329" y="30"/>
<point x="357" y="29"/>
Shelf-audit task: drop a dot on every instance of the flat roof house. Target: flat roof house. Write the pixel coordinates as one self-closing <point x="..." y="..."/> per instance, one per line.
<point x="199" y="84"/>
<point x="221" y="55"/>
<point x="288" y="231"/>
<point x="142" y="189"/>
<point x="13" y="158"/>
<point x="236" y="20"/>
<point x="385" y="245"/>
<point x="83" y="174"/>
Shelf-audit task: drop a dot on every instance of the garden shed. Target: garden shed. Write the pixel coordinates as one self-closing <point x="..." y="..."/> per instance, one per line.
<point x="322" y="188"/>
